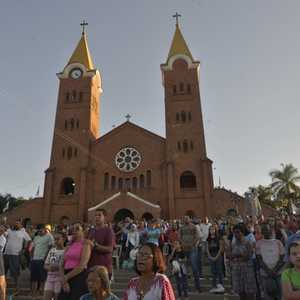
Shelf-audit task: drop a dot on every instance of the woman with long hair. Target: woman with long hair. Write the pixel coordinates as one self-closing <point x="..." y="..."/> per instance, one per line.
<point x="76" y="258"/>
<point x="99" y="285"/>
<point x="215" y="251"/>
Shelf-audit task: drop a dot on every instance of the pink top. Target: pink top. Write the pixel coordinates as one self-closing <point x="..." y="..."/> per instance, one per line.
<point x="73" y="255"/>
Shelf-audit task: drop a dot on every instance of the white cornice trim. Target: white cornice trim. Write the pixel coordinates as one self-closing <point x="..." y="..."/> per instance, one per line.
<point x="169" y="65"/>
<point x="105" y="201"/>
<point x="86" y="73"/>
<point x="127" y="193"/>
<point x="142" y="200"/>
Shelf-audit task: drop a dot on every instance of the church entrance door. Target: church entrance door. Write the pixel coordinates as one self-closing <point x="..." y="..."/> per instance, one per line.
<point x="147" y="216"/>
<point x="121" y="214"/>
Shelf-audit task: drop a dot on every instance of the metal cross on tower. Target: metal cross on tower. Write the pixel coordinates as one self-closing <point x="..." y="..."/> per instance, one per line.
<point x="128" y="116"/>
<point x="176" y="16"/>
<point x="83" y="24"/>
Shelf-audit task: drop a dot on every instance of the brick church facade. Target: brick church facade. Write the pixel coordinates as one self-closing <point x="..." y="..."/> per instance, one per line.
<point x="129" y="170"/>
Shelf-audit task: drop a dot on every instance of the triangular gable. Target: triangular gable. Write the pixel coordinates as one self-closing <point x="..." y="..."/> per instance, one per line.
<point x="118" y="195"/>
<point x="132" y="125"/>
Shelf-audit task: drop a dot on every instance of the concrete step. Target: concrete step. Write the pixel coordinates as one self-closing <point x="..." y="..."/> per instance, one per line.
<point x="120" y="283"/>
<point x="25" y="295"/>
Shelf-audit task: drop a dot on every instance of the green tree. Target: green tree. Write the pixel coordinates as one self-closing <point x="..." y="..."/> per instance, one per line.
<point x="284" y="184"/>
<point x="265" y="195"/>
<point x="10" y="201"/>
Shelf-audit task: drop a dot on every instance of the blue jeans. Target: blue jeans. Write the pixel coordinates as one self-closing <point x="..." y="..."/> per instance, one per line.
<point x="181" y="284"/>
<point x="217" y="271"/>
<point x="193" y="260"/>
<point x="200" y="260"/>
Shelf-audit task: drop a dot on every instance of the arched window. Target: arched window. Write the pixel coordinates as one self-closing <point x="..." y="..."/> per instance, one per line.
<point x="188" y="180"/>
<point x="69" y="153"/>
<point x="80" y="96"/>
<point x="113" y="182"/>
<point x="77" y="124"/>
<point x="106" y="181"/>
<point x="181" y="87"/>
<point x="178" y="146"/>
<point x="120" y="184"/>
<point x="183" y="116"/>
<point x="75" y="152"/>
<point x="148" y="178"/>
<point x="185" y="146"/>
<point x="189" y="116"/>
<point x="134" y="183"/>
<point x="142" y="181"/>
<point x="73" y="95"/>
<point x="127" y="184"/>
<point x="188" y="88"/>
<point x="177" y="117"/>
<point x="174" y="89"/>
<point x="67" y="97"/>
<point x="72" y="123"/>
<point x="66" y="124"/>
<point x="63" y="152"/>
<point x="67" y="186"/>
<point x="191" y="145"/>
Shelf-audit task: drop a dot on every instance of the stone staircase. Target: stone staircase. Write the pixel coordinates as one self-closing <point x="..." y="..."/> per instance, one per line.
<point x="120" y="282"/>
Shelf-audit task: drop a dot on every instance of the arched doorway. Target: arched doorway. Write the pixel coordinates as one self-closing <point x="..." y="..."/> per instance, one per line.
<point x="232" y="212"/>
<point x="121" y="214"/>
<point x="64" y="220"/>
<point x="26" y="222"/>
<point x="147" y="216"/>
<point x="190" y="213"/>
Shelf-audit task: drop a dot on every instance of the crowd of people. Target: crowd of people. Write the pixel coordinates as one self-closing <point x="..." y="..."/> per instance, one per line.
<point x="260" y="258"/>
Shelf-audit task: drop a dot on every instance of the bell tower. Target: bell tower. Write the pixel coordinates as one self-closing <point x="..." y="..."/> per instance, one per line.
<point x="189" y="171"/>
<point x="76" y="126"/>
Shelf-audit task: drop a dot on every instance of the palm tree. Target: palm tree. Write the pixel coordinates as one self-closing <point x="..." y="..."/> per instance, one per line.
<point x="284" y="184"/>
<point x="265" y="195"/>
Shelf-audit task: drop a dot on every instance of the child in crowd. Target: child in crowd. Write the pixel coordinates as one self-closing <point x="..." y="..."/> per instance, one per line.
<point x="215" y="252"/>
<point x="53" y="265"/>
<point x="178" y="261"/>
<point x="290" y="278"/>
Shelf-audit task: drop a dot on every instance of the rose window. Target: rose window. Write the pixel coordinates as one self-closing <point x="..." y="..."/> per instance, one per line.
<point x="128" y="159"/>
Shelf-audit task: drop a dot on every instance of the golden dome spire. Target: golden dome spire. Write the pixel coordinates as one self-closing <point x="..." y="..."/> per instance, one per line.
<point x="178" y="45"/>
<point x="82" y="54"/>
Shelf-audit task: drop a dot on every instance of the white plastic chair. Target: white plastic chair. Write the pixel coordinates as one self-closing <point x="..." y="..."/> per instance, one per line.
<point x="117" y="254"/>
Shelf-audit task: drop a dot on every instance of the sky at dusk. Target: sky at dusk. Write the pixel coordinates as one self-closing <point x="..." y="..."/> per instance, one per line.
<point x="249" y="78"/>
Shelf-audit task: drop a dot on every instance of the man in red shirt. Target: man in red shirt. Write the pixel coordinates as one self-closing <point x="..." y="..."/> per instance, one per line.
<point x="102" y="239"/>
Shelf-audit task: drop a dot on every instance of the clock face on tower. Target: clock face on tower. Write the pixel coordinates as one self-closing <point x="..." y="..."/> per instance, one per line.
<point x="128" y="159"/>
<point x="76" y="73"/>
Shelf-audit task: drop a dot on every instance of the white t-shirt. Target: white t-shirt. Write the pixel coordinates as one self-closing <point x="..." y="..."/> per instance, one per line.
<point x="15" y="239"/>
<point x="2" y="242"/>
<point x="204" y="230"/>
<point x="55" y="256"/>
<point x="270" y="250"/>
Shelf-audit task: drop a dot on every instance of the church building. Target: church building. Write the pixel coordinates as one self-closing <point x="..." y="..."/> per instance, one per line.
<point x="129" y="171"/>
